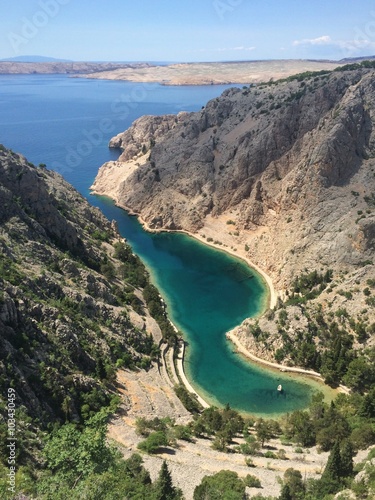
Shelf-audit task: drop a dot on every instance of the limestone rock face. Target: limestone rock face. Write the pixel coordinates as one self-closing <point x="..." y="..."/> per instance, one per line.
<point x="64" y="300"/>
<point x="143" y="134"/>
<point x="293" y="157"/>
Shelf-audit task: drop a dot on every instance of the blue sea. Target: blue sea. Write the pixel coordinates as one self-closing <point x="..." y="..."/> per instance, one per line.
<point x="66" y="123"/>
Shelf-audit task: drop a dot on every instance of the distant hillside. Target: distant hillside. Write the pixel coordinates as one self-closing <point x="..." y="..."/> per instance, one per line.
<point x="27" y="68"/>
<point x="348" y="60"/>
<point x="216" y="73"/>
<point x="33" y="59"/>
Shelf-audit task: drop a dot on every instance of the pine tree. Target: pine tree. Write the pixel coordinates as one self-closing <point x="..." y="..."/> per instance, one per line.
<point x="367" y="408"/>
<point x="333" y="467"/>
<point x="164" y="489"/>
<point x="331" y="478"/>
<point x="285" y="493"/>
<point x="293" y="479"/>
<point x="346" y="456"/>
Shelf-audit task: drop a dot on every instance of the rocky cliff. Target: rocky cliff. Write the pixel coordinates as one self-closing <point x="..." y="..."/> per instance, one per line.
<point x="282" y="173"/>
<point x="71" y="303"/>
<point x="294" y="156"/>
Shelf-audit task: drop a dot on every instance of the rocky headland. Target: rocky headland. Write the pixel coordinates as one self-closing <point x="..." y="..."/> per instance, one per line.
<point x="215" y="73"/>
<point x="282" y="174"/>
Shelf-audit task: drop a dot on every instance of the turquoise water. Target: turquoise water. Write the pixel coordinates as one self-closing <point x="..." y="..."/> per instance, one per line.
<point x="207" y="295"/>
<point x="58" y="121"/>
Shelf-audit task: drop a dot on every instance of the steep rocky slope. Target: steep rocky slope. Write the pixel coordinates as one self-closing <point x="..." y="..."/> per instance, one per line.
<point x="71" y="304"/>
<point x="295" y="156"/>
<point x="284" y="174"/>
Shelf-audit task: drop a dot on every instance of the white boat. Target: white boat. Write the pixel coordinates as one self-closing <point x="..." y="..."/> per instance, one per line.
<point x="279" y="387"/>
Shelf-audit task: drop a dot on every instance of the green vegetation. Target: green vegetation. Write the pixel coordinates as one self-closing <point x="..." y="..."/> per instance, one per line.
<point x="154" y="442"/>
<point x="309" y="75"/>
<point x="157" y="309"/>
<point x="252" y="481"/>
<point x="132" y="270"/>
<point x="224" y="424"/>
<point x="224" y="485"/>
<point x="100" y="235"/>
<point x="164" y="489"/>
<point x="342" y="428"/>
<point x="187" y="399"/>
<point x="78" y="464"/>
<point x="308" y="286"/>
<point x="66" y="294"/>
<point x="327" y="340"/>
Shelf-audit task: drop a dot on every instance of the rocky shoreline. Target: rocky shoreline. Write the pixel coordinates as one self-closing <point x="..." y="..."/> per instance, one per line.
<point x="272" y="298"/>
<point x="261" y="174"/>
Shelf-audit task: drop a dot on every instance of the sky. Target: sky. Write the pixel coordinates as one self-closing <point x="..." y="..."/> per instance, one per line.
<point x="187" y="30"/>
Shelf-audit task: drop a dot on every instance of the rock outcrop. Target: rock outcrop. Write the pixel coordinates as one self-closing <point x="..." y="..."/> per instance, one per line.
<point x="292" y="157"/>
<point x="68" y="315"/>
<point x="283" y="174"/>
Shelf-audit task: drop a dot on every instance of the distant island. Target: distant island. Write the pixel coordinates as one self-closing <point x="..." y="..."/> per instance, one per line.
<point x="210" y="73"/>
<point x="57" y="68"/>
<point x="34" y="59"/>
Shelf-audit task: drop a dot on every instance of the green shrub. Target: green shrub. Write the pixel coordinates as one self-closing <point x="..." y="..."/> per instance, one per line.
<point x="270" y="454"/>
<point x="249" y="462"/>
<point x="100" y="235"/>
<point x="252" y="481"/>
<point x="188" y="399"/>
<point x="153" y="442"/>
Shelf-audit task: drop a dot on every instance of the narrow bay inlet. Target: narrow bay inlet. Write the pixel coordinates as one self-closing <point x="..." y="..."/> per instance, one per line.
<point x="208" y="292"/>
<point x="191" y="301"/>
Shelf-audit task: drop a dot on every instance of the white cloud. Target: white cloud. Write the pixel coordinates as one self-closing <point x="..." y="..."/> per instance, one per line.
<point x="348" y="48"/>
<point x="354" y="46"/>
<point x="321" y="40"/>
<point x="241" y="48"/>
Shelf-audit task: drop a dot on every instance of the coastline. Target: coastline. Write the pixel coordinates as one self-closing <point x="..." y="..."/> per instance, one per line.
<point x="241" y="349"/>
<point x="272" y="295"/>
<point x="181" y="373"/>
<point x="270" y="303"/>
<point x="271" y="299"/>
<point x="282" y="368"/>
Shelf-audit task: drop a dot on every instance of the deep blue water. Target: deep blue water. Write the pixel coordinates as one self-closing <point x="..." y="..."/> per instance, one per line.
<point x="67" y="123"/>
